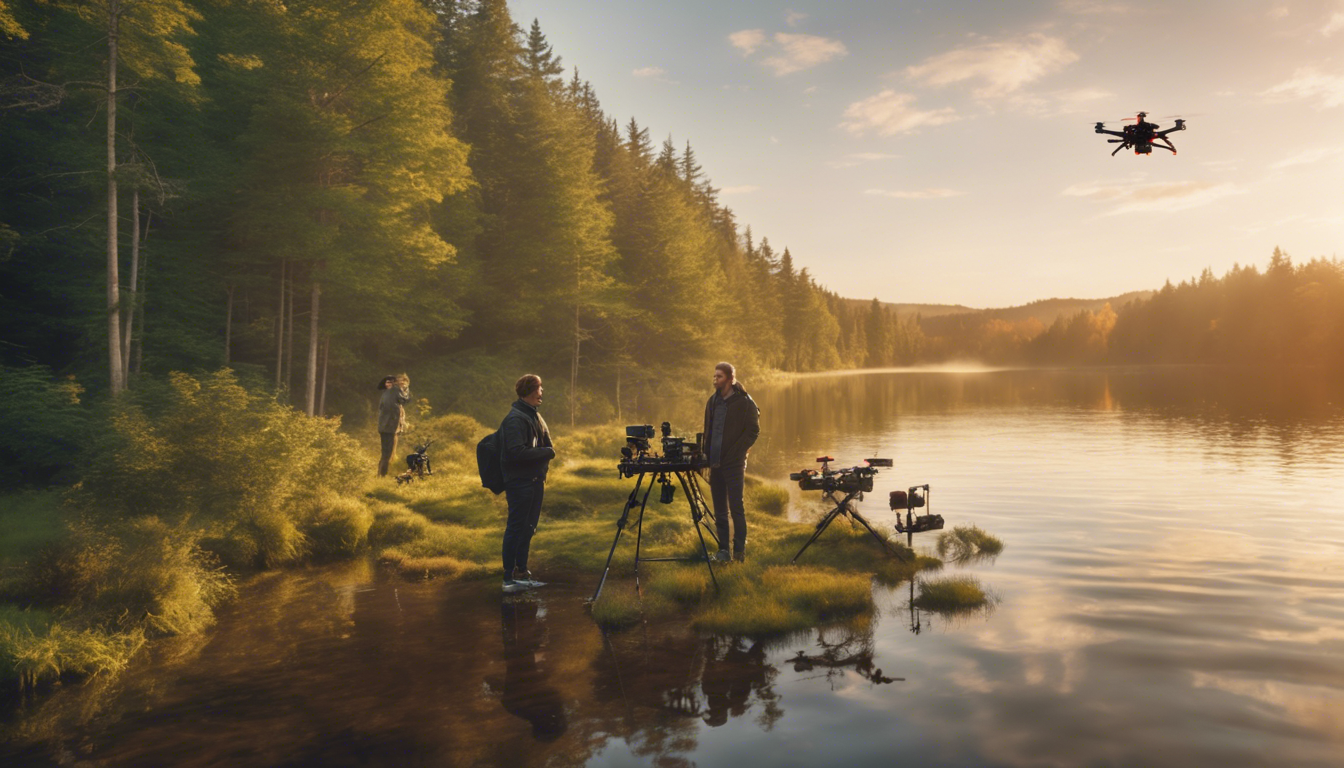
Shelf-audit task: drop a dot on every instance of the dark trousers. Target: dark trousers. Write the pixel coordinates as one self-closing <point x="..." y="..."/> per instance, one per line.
<point x="725" y="490"/>
<point x="524" y="497"/>
<point x="389" y="447"/>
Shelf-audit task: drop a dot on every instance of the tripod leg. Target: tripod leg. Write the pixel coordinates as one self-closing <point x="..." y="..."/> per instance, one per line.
<point x="699" y="509"/>
<point x="885" y="544"/>
<point x="821" y="527"/>
<point x="620" y="526"/>
<point x="639" y="531"/>
<point x="697" y="512"/>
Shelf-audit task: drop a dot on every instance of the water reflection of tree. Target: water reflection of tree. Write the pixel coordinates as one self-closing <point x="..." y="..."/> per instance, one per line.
<point x="809" y="416"/>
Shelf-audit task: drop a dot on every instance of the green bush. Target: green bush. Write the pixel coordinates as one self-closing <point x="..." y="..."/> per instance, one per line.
<point x="233" y="463"/>
<point x="136" y="574"/>
<point x="339" y="526"/>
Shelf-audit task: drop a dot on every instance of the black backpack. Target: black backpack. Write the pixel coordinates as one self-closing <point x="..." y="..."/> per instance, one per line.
<point x="489" y="463"/>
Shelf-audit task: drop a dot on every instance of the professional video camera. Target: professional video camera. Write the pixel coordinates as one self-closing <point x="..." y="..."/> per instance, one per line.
<point x="851" y="483"/>
<point x="417" y="464"/>
<point x="847" y="480"/>
<point x="915" y="498"/>
<point x="678" y="464"/>
<point x="678" y="453"/>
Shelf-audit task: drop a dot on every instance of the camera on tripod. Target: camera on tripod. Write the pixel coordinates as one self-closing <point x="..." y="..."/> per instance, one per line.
<point x="678" y="453"/>
<point x="857" y="479"/>
<point x="915" y="498"/>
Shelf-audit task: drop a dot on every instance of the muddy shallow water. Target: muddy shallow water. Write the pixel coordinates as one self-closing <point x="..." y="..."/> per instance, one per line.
<point x="1171" y="593"/>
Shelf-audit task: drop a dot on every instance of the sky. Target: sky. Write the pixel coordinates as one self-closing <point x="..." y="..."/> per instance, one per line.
<point x="944" y="152"/>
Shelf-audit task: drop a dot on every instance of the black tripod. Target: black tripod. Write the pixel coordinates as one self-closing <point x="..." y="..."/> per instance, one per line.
<point x="662" y="474"/>
<point x="842" y="507"/>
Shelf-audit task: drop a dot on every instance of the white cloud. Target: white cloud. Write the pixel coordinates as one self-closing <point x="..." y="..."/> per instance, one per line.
<point x="889" y="113"/>
<point x="1095" y="7"/>
<point x="859" y="158"/>
<point x="649" y="72"/>
<point x="918" y="194"/>
<point x="1308" y="157"/>
<point x="1138" y="197"/>
<point x="1063" y="102"/>
<point x="999" y="68"/>
<point x="799" y="52"/>
<point x="794" y="18"/>
<point x="742" y="190"/>
<point x="747" y="40"/>
<point x="1309" y="83"/>
<point x="1278" y="12"/>
<point x="1334" y="24"/>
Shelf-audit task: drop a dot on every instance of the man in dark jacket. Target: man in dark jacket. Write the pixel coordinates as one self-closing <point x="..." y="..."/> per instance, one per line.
<point x="527" y="452"/>
<point x="396" y="393"/>
<point x="732" y="424"/>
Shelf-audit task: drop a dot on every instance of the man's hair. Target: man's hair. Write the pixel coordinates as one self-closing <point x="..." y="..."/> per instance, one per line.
<point x="728" y="370"/>
<point x="386" y="382"/>
<point x="527" y="385"/>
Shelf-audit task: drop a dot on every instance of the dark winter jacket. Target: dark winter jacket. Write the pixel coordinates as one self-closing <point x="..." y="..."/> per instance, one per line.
<point x="391" y="414"/>
<point x="740" y="428"/>
<point x="526" y="443"/>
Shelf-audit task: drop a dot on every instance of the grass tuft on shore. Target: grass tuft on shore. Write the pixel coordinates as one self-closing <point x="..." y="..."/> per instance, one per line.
<point x="965" y="543"/>
<point x="952" y="595"/>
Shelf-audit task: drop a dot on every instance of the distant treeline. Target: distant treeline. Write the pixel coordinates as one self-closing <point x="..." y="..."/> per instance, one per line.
<point x="1287" y="315"/>
<point x="319" y="192"/>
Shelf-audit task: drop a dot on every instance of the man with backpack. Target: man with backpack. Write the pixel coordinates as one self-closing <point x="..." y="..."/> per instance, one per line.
<point x="526" y="453"/>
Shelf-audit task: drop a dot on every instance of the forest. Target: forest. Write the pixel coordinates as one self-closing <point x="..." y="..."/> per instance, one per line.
<point x="316" y="193"/>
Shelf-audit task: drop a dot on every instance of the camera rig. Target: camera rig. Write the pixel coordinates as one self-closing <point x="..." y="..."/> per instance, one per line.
<point x="678" y="464"/>
<point x="417" y="464"/>
<point x="852" y="483"/>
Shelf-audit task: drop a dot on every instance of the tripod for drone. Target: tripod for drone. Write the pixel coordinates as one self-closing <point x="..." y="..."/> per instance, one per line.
<point x="661" y="473"/>
<point x="842" y="507"/>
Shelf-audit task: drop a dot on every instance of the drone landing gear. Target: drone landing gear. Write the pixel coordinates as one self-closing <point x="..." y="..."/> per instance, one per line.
<point x="842" y="507"/>
<point x="690" y="485"/>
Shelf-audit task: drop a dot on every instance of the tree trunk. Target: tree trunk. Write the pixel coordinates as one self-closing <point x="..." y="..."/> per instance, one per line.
<point x="141" y="294"/>
<point x="289" y="338"/>
<point x="117" y="373"/>
<point x="130" y="287"/>
<point x="322" y="390"/>
<point x="228" y="326"/>
<point x="311" y="379"/>
<point x="574" y="371"/>
<point x="280" y="330"/>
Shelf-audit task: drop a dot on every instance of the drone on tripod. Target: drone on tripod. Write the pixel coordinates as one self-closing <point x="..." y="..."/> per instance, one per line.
<point x="1142" y="135"/>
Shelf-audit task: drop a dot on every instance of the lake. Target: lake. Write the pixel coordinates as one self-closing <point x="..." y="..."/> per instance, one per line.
<point x="1171" y="593"/>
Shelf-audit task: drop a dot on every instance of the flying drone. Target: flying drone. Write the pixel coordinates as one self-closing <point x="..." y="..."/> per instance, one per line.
<point x="1142" y="136"/>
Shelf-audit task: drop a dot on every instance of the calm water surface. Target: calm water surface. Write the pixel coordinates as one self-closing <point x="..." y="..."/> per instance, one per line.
<point x="1171" y="594"/>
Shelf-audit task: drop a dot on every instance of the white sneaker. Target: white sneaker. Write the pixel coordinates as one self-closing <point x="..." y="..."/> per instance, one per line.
<point x="514" y="587"/>
<point x="525" y="578"/>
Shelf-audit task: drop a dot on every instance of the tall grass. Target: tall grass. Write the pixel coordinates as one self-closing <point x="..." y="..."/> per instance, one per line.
<point x="966" y="543"/>
<point x="952" y="595"/>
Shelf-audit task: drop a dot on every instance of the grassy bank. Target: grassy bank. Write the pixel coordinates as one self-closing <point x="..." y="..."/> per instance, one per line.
<point x="201" y="482"/>
<point x="449" y="527"/>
